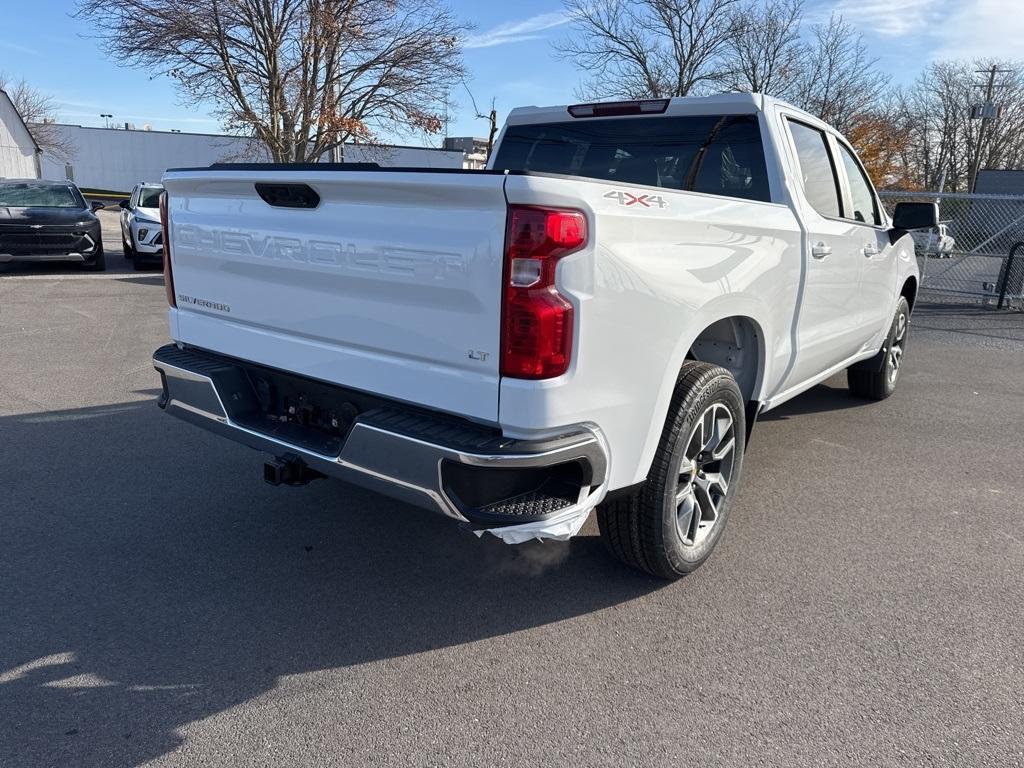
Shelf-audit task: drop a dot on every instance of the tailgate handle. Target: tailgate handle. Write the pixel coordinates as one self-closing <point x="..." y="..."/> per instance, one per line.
<point x="288" y="195"/>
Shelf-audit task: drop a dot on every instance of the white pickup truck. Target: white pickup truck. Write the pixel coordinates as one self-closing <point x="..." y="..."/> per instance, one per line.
<point x="593" y="322"/>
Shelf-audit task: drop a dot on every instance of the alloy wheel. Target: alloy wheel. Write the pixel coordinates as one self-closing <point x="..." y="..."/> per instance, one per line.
<point x="705" y="473"/>
<point x="896" y="348"/>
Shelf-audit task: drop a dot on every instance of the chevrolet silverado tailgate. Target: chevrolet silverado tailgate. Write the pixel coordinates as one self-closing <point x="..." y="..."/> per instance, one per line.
<point x="381" y="280"/>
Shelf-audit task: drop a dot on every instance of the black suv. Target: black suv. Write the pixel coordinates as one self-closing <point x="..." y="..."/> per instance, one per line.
<point x="48" y="221"/>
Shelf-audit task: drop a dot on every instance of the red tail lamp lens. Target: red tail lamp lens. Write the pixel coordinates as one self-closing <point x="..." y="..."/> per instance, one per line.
<point x="536" y="338"/>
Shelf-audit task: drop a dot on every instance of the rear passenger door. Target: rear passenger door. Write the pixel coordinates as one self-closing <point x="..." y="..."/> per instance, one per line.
<point x="828" y="325"/>
<point x="868" y="237"/>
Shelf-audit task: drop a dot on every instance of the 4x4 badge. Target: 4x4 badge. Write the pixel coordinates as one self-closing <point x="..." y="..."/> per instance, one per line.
<point x="628" y="198"/>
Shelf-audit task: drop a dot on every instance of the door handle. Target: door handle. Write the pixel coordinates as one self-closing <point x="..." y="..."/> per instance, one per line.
<point x="870" y="250"/>
<point x="820" y="250"/>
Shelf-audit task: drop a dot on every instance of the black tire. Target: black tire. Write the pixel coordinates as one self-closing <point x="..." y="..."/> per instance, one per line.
<point x="129" y="251"/>
<point x="137" y="263"/>
<point x="98" y="263"/>
<point x="643" y="530"/>
<point x="876" y="379"/>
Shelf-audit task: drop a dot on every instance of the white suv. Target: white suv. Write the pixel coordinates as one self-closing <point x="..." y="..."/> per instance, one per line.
<point x="141" y="235"/>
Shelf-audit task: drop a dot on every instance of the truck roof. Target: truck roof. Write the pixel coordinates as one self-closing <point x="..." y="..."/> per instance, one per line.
<point x="721" y="103"/>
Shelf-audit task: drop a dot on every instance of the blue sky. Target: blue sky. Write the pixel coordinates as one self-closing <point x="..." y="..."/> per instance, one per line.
<point x="509" y="55"/>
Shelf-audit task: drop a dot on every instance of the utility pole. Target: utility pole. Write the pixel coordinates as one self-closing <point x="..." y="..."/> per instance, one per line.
<point x="988" y="113"/>
<point x="492" y="120"/>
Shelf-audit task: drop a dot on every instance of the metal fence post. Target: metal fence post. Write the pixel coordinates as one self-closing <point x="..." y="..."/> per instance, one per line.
<point x="1006" y="272"/>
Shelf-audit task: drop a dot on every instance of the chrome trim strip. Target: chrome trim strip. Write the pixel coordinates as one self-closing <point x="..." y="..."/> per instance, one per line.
<point x="70" y="256"/>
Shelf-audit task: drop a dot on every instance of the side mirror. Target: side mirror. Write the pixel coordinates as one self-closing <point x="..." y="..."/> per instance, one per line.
<point x="124" y="204"/>
<point x="907" y="216"/>
<point x="96" y="205"/>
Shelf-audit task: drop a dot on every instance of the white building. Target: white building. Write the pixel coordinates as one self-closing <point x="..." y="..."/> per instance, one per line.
<point x="115" y="159"/>
<point x="474" y="148"/>
<point x="19" y="153"/>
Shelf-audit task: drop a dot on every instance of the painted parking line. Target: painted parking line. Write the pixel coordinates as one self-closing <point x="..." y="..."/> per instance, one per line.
<point x="100" y="276"/>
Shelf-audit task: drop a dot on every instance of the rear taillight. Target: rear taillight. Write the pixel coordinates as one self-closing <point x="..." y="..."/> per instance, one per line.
<point x="536" y="323"/>
<point x="168" y="277"/>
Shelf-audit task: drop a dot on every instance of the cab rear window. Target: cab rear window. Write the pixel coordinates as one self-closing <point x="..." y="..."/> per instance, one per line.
<point x="716" y="154"/>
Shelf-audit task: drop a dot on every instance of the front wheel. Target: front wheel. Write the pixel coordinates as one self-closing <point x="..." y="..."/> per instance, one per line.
<point x="876" y="379"/>
<point x="98" y="262"/>
<point x="670" y="527"/>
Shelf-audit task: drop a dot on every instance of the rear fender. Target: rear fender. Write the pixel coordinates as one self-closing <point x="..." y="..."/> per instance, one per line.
<point x="720" y="309"/>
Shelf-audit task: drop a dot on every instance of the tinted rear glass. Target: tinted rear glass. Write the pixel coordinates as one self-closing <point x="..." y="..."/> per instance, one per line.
<point x="717" y="154"/>
<point x="149" y="197"/>
<point x="29" y="195"/>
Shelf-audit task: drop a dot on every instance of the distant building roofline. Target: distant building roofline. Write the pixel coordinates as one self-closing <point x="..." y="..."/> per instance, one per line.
<point x="31" y="136"/>
<point x="121" y="130"/>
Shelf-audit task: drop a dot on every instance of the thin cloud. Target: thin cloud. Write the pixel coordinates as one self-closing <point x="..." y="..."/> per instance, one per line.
<point x="18" y="48"/>
<point x="888" y="18"/>
<point x="516" y="31"/>
<point x="948" y="28"/>
<point x="980" y="28"/>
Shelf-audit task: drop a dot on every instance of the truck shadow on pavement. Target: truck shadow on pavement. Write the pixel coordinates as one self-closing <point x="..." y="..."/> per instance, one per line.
<point x="150" y="579"/>
<point x="824" y="398"/>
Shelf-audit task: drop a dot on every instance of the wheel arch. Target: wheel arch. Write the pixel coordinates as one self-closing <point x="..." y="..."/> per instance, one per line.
<point x="736" y="343"/>
<point x="707" y="339"/>
<point x="909" y="290"/>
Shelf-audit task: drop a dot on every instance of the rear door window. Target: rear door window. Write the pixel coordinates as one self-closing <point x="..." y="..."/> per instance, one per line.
<point x="821" y="185"/>
<point x="715" y="154"/>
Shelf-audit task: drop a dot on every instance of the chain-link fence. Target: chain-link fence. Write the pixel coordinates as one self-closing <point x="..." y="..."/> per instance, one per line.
<point x="968" y="256"/>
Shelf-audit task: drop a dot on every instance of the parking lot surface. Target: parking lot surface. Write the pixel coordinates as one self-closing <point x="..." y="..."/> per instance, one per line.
<point x="160" y="604"/>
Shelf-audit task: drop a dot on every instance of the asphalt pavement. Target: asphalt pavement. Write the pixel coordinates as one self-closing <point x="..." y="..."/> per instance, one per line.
<point x="160" y="604"/>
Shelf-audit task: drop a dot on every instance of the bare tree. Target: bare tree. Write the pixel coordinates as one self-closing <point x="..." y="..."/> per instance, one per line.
<point x="39" y="110"/>
<point x="302" y="76"/>
<point x="838" y="80"/>
<point x="491" y="118"/>
<point x="945" y="138"/>
<point x="648" y="48"/>
<point x="764" y="53"/>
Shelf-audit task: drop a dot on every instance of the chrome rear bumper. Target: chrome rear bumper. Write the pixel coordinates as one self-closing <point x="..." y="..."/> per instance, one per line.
<point x="401" y="453"/>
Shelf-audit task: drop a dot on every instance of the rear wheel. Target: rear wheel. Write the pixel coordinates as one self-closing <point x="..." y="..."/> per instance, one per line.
<point x="671" y="526"/>
<point x="876" y="379"/>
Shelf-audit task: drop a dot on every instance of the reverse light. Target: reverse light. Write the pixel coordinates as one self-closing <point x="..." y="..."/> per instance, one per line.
<point x="168" y="276"/>
<point x="536" y="322"/>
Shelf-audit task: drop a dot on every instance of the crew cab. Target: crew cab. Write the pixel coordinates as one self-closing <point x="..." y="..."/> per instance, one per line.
<point x="595" y="321"/>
